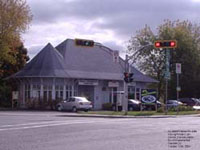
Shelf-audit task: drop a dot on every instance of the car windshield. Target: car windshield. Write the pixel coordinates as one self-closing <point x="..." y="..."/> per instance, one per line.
<point x="134" y="101"/>
<point x="83" y="99"/>
<point x="171" y="101"/>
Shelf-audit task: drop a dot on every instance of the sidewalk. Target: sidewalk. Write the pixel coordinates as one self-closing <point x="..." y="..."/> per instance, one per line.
<point x="122" y="116"/>
<point x="80" y="114"/>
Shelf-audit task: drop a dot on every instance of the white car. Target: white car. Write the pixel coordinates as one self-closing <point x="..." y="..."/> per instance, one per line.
<point x="74" y="104"/>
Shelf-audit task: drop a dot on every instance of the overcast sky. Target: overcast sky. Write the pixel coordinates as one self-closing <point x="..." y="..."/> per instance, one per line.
<point x="110" y="22"/>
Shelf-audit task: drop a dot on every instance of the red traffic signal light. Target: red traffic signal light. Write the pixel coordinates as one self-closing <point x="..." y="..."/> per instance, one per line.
<point x="165" y="44"/>
<point x="83" y="42"/>
<point x="128" y="77"/>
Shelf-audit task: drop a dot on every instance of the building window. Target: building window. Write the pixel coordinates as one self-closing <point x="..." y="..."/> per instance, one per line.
<point x="69" y="92"/>
<point x="27" y="92"/>
<point x="59" y="91"/>
<point x="131" y="92"/>
<point x="138" y="93"/>
<point x="47" y="92"/>
<point x="36" y="91"/>
<point x="113" y="95"/>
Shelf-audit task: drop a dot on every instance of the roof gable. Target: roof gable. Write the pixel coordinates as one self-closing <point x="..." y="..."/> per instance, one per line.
<point x="48" y="62"/>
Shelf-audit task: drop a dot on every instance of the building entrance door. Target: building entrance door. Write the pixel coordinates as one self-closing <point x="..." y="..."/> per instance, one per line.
<point x="86" y="91"/>
<point x="113" y="95"/>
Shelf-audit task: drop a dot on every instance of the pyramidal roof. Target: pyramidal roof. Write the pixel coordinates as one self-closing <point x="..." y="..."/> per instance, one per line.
<point x="70" y="61"/>
<point x="95" y="63"/>
<point x="47" y="63"/>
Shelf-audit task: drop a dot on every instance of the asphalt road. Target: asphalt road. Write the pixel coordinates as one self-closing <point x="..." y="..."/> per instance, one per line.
<point x="54" y="131"/>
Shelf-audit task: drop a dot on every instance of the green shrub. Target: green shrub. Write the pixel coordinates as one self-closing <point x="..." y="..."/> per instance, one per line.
<point x="185" y="108"/>
<point x="160" y="110"/>
<point x="107" y="106"/>
<point x="181" y="108"/>
<point x="31" y="103"/>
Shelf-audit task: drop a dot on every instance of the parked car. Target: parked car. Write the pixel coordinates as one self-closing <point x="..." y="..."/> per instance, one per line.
<point x="132" y="105"/>
<point x="152" y="106"/>
<point x="74" y="104"/>
<point x="173" y="103"/>
<point x="190" y="101"/>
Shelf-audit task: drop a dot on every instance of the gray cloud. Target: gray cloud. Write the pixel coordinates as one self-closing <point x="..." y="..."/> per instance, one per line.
<point x="113" y="45"/>
<point x="123" y="17"/>
<point x="33" y="50"/>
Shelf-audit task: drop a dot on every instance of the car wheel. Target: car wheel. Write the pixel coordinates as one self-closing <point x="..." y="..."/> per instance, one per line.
<point x="74" y="109"/>
<point x="130" y="108"/>
<point x="59" y="108"/>
<point x="86" y="110"/>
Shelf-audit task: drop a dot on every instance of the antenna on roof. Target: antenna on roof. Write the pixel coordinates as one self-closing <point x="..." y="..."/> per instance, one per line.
<point x="116" y="56"/>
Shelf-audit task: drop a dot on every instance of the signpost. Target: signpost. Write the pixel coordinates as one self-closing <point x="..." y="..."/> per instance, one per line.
<point x="15" y="97"/>
<point x="178" y="71"/>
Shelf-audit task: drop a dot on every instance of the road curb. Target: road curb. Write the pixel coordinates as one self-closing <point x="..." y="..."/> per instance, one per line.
<point x="113" y="116"/>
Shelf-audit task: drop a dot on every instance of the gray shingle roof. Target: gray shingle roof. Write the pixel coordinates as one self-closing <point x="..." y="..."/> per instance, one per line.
<point x="47" y="63"/>
<point x="71" y="61"/>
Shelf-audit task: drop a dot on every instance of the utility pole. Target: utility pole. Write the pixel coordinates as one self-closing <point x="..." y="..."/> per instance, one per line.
<point x="125" y="101"/>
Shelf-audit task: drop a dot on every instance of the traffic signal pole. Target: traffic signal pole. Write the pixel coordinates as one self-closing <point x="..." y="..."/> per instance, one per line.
<point x="167" y="76"/>
<point x="125" y="101"/>
<point x="128" y="79"/>
<point x="167" y="45"/>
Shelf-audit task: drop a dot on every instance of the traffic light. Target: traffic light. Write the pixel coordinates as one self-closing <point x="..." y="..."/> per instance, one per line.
<point x="165" y="44"/>
<point x="128" y="77"/>
<point x="83" y="42"/>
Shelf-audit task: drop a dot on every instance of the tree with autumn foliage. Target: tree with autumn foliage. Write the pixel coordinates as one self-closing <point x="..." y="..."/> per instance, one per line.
<point x="152" y="61"/>
<point x="15" y="17"/>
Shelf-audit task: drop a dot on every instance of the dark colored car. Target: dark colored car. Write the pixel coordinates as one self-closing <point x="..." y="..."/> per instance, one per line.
<point x="190" y="101"/>
<point x="152" y="106"/>
<point x="132" y="105"/>
<point x="173" y="103"/>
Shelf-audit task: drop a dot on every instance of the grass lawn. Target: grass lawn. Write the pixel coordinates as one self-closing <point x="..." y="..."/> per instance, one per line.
<point x="141" y="113"/>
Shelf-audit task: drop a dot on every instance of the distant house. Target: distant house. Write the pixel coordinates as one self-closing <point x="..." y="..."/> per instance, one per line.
<point x="95" y="72"/>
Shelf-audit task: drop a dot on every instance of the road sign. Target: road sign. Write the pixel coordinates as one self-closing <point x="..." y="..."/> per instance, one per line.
<point x="148" y="96"/>
<point x="178" y="88"/>
<point x="178" y="68"/>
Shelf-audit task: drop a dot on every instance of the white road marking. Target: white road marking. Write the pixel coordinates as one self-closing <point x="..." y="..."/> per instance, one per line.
<point x="28" y="114"/>
<point x="54" y="123"/>
<point x="13" y="125"/>
<point x="40" y="126"/>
